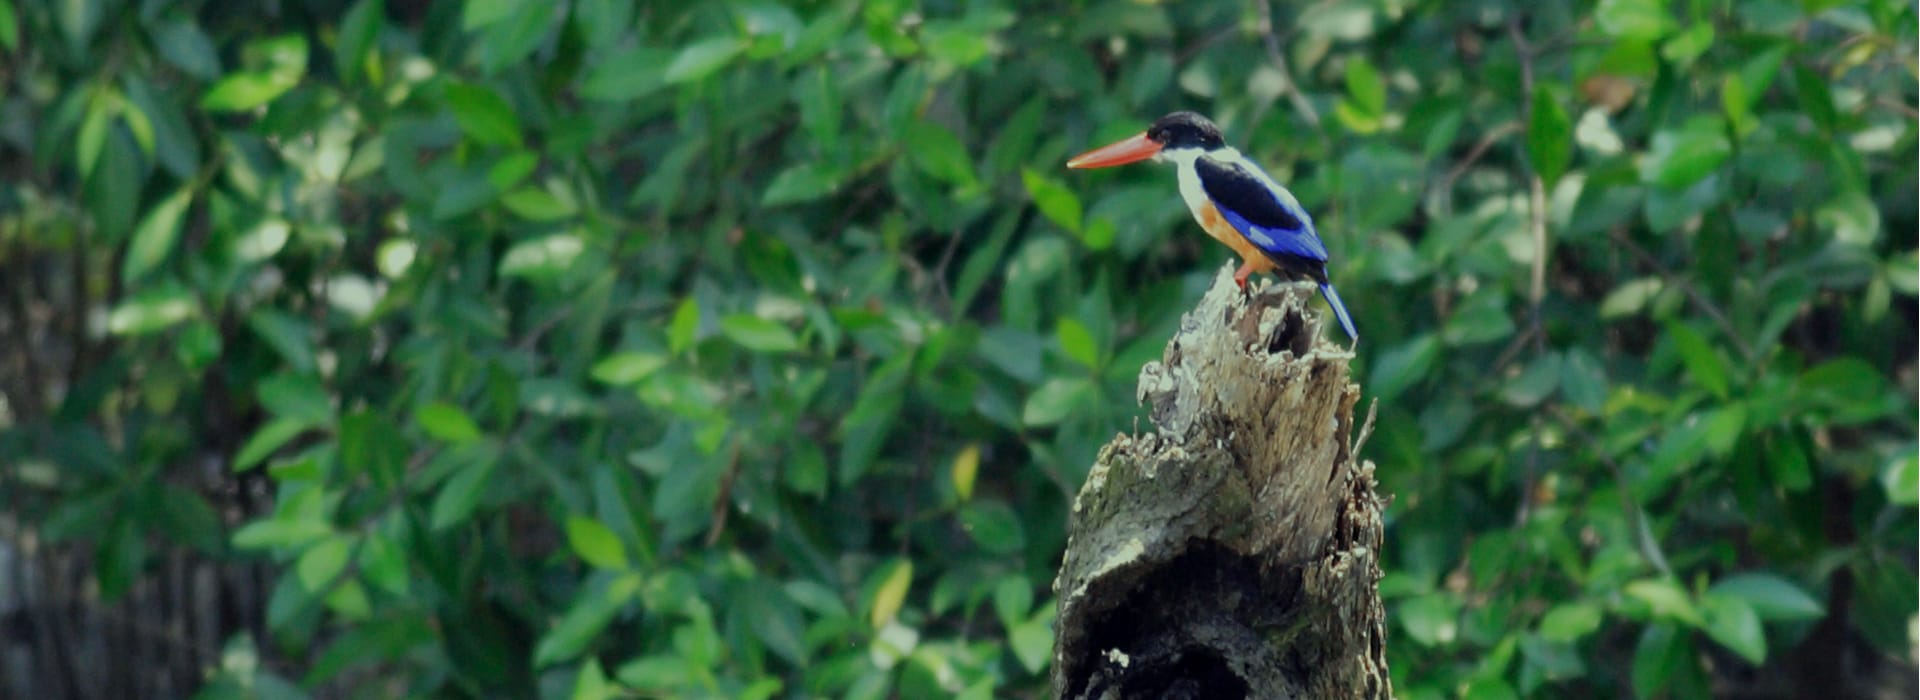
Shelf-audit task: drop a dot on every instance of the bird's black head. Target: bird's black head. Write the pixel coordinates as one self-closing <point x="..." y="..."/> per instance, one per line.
<point x="1186" y="130"/>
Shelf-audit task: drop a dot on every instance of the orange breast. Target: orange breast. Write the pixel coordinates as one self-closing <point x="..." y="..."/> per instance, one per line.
<point x="1223" y="231"/>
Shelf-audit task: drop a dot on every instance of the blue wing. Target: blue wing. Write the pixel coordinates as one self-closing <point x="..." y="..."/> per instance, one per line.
<point x="1277" y="225"/>
<point x="1273" y="222"/>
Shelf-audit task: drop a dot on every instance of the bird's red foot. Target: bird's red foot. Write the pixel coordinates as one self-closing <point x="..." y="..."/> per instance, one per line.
<point x="1240" y="276"/>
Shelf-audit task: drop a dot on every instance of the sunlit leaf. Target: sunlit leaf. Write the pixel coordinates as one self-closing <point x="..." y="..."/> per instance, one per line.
<point x="758" y="334"/>
<point x="596" y="543"/>
<point x="702" y="58"/>
<point x="891" y="594"/>
<point x="155" y="238"/>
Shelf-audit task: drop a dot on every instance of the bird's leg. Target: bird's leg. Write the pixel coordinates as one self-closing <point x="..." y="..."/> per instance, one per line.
<point x="1240" y="275"/>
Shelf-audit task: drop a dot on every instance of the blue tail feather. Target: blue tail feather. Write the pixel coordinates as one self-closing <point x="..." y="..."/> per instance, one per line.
<point x="1339" y="310"/>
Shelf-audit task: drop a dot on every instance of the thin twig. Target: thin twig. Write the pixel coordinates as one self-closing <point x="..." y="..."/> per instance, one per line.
<point x="1479" y="149"/>
<point x="1693" y="293"/>
<point x="1643" y="535"/>
<point x="721" y="508"/>
<point x="1291" y="90"/>
<point x="1206" y="42"/>
<point x="1366" y="428"/>
<point x="1537" y="224"/>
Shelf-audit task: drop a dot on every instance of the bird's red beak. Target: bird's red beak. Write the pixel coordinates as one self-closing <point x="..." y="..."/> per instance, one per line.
<point x="1133" y="149"/>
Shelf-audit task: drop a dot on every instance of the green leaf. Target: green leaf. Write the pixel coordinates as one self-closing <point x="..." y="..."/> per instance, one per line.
<point x="9" y="27"/>
<point x="285" y="59"/>
<point x="1679" y="158"/>
<point x="1583" y="381"/>
<point x="484" y="115"/>
<point x="447" y="423"/>
<point x="263" y="241"/>
<point x="1630" y="297"/>
<point x="359" y="33"/>
<point x="627" y="368"/>
<point x="1848" y="389"/>
<point x="630" y="73"/>
<point x="1665" y="600"/>
<point x="1733" y="623"/>
<point x="1055" y="400"/>
<point x="891" y="593"/>
<point x="534" y="204"/>
<point x="1852" y="218"/>
<point x="92" y="138"/>
<point x="383" y="562"/>
<point x="543" y="258"/>
<point x="156" y="235"/>
<point x="119" y="558"/>
<point x="1736" y="103"/>
<point x="513" y="169"/>
<point x="1901" y="477"/>
<point x="151" y="311"/>
<point x="966" y="466"/>
<point x="1703" y="362"/>
<point x="480" y="14"/>
<point x="937" y="152"/>
<point x="1055" y="201"/>
<point x="184" y="516"/>
<point x="461" y="493"/>
<point x="590" y="683"/>
<point x="509" y="42"/>
<point x="1634" y="19"/>
<point x="685" y="324"/>
<point x="1787" y="463"/>
<point x="183" y="44"/>
<point x="1816" y="97"/>
<point x="1661" y="652"/>
<point x="1482" y="317"/>
<point x="703" y="58"/>
<point x="296" y="397"/>
<point x="954" y="43"/>
<point x="1541" y="377"/>
<point x="758" y="334"/>
<point x="802" y="182"/>
<point x="1403" y="366"/>
<point x="286" y="334"/>
<point x="279" y="532"/>
<point x="1683" y="48"/>
<point x="1364" y="86"/>
<point x="584" y="620"/>
<point x="371" y="444"/>
<point x="1549" y="136"/>
<point x="267" y="440"/>
<point x="596" y="543"/>
<point x="993" y="525"/>
<point x="1078" y="342"/>
<point x="775" y="619"/>
<point x="1430" y="620"/>
<point x="1032" y="641"/>
<point x="1570" y="622"/>
<point x="1770" y="597"/>
<point x="1012" y="599"/>
<point x="322" y="562"/>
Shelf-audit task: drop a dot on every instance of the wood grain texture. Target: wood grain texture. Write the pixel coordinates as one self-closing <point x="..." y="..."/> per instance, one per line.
<point x="1233" y="551"/>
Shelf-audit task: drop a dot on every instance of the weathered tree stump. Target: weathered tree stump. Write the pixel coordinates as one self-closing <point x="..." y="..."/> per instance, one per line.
<point x="1234" y="552"/>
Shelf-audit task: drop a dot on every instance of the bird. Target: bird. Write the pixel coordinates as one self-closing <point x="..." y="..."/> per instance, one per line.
<point x="1233" y="200"/>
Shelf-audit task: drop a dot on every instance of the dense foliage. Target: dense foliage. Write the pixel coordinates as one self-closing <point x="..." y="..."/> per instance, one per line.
<point x="593" y="348"/>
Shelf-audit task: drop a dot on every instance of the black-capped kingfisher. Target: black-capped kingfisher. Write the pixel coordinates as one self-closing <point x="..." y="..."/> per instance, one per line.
<point x="1233" y="199"/>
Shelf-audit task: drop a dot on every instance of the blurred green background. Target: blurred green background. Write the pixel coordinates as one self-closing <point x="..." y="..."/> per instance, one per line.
<point x="603" y="348"/>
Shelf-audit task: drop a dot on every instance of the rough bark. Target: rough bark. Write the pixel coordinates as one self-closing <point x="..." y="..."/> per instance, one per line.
<point x="1232" y="552"/>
